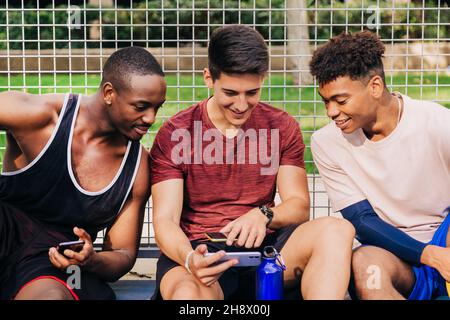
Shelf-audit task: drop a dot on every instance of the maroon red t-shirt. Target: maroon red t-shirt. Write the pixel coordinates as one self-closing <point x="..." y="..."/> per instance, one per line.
<point x="224" y="178"/>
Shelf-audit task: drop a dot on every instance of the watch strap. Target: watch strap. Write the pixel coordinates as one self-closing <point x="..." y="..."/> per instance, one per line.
<point x="265" y="210"/>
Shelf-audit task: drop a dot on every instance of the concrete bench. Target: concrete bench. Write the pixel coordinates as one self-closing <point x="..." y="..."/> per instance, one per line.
<point x="139" y="283"/>
<point x="134" y="289"/>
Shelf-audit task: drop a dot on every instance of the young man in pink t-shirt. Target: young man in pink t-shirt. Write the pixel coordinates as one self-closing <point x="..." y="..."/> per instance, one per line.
<point x="385" y="162"/>
<point x="216" y="167"/>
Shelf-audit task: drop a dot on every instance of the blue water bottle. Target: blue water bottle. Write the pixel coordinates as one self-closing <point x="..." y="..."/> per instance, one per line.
<point x="269" y="276"/>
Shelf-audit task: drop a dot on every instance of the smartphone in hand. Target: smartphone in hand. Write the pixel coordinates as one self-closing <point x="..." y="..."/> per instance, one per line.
<point x="217" y="236"/>
<point x="245" y="258"/>
<point x="76" y="246"/>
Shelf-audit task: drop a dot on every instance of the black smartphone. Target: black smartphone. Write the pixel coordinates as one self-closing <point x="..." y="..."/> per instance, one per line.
<point x="216" y="236"/>
<point x="76" y="246"/>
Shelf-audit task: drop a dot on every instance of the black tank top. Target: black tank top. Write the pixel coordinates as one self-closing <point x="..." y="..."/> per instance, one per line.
<point x="46" y="189"/>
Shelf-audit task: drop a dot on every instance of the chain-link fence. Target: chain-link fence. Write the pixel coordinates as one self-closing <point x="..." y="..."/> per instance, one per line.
<point x="56" y="46"/>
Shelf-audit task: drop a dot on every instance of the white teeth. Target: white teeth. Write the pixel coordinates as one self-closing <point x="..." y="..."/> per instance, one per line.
<point x="341" y="121"/>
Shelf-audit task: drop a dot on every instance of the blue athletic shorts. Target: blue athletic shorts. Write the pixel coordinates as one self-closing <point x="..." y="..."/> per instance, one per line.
<point x="429" y="283"/>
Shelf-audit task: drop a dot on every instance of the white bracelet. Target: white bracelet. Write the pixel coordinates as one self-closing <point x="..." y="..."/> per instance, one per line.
<point x="186" y="262"/>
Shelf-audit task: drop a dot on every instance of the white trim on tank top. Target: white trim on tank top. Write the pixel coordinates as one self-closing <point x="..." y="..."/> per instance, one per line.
<point x="132" y="179"/>
<point x="69" y="160"/>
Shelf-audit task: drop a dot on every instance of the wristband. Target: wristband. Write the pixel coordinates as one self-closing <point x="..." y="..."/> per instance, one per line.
<point x="186" y="262"/>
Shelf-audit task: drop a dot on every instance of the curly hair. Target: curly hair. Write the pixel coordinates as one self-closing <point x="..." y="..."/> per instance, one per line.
<point x="355" y="55"/>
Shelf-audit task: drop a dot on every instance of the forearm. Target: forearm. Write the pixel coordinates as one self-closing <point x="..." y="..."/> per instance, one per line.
<point x="372" y="230"/>
<point x="110" y="265"/>
<point x="171" y="240"/>
<point x="291" y="211"/>
<point x="388" y="237"/>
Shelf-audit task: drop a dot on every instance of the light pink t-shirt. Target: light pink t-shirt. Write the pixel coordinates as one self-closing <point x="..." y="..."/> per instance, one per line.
<point x="405" y="176"/>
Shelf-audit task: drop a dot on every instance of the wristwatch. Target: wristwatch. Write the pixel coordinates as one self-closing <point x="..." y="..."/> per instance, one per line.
<point x="268" y="213"/>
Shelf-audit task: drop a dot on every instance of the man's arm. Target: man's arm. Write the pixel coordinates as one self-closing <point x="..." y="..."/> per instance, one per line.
<point x="293" y="188"/>
<point x="372" y="230"/>
<point x="29" y="121"/>
<point x="167" y="208"/>
<point x="23" y="111"/>
<point x="122" y="239"/>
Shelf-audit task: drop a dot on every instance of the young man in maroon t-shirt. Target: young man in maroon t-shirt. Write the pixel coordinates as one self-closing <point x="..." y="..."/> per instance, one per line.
<point x="216" y="167"/>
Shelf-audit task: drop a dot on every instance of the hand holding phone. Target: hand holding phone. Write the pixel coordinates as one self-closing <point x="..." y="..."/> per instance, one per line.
<point x="206" y="268"/>
<point x="245" y="258"/>
<point x="76" y="246"/>
<point x="69" y="253"/>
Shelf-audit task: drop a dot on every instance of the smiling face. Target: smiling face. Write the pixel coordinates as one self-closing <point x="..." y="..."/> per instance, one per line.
<point x="235" y="96"/>
<point x="351" y="104"/>
<point x="133" y="110"/>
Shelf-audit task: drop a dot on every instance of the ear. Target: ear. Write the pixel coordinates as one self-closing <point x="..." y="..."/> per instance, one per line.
<point x="207" y="77"/>
<point x="376" y="86"/>
<point x="108" y="93"/>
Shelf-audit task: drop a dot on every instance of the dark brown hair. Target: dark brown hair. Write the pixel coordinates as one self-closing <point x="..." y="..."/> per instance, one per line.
<point x="237" y="49"/>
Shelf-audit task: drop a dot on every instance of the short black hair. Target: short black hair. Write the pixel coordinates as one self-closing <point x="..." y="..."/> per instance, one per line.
<point x="126" y="62"/>
<point x="358" y="56"/>
<point x="237" y="49"/>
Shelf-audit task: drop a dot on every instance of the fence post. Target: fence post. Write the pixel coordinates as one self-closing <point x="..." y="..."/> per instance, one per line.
<point x="298" y="44"/>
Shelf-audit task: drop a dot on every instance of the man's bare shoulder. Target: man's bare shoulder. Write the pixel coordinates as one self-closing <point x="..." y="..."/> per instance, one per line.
<point x="30" y="99"/>
<point x="20" y="109"/>
<point x="54" y="101"/>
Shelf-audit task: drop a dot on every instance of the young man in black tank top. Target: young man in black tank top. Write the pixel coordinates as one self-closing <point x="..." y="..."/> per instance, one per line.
<point x="73" y="166"/>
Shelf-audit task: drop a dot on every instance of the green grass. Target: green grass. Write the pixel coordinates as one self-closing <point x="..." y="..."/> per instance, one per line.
<point x="279" y="91"/>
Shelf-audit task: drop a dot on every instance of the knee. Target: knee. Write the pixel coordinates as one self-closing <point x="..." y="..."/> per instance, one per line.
<point x="50" y="293"/>
<point x="188" y="290"/>
<point x="337" y="229"/>
<point x="58" y="294"/>
<point x="185" y="291"/>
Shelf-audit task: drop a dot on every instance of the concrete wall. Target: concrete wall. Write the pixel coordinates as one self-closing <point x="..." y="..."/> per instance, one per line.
<point x="399" y="56"/>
